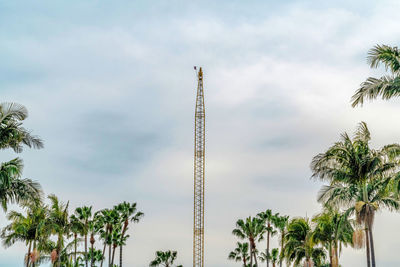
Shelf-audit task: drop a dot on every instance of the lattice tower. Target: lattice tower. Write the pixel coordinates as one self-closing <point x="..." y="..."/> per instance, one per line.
<point x="199" y="160"/>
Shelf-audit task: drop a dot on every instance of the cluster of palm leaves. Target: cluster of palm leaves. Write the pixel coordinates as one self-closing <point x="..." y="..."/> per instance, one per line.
<point x="14" y="189"/>
<point x="53" y="235"/>
<point x="164" y="258"/>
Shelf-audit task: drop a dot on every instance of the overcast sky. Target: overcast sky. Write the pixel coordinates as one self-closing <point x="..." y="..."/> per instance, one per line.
<point x="110" y="87"/>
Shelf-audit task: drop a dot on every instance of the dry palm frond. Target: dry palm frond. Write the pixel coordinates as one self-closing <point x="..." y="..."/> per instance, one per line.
<point x="53" y="256"/>
<point x="34" y="255"/>
<point x="358" y="238"/>
<point x="308" y="263"/>
<point x="335" y="262"/>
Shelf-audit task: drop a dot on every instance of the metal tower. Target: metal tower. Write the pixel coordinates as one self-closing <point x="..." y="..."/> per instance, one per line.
<point x="199" y="145"/>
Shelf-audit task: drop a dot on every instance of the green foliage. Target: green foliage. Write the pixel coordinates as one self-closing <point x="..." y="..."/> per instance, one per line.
<point x="387" y="86"/>
<point x="300" y="244"/>
<point x="241" y="253"/>
<point x="164" y="258"/>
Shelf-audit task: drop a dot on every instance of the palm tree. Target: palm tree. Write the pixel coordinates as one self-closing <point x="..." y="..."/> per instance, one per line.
<point x="84" y="215"/>
<point x="106" y="220"/>
<point x="253" y="229"/>
<point x="364" y="202"/>
<point x="333" y="229"/>
<point x="268" y="217"/>
<point x="94" y="256"/>
<point x="128" y="213"/>
<point x="300" y="245"/>
<point x="387" y="86"/>
<point x="58" y="223"/>
<point x="241" y="253"/>
<point x="353" y="165"/>
<point x="164" y="258"/>
<point x="29" y="228"/>
<point x="281" y="223"/>
<point x="274" y="257"/>
<point x="76" y="228"/>
<point x="13" y="189"/>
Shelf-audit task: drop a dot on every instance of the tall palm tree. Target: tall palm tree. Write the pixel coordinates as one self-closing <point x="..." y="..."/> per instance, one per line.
<point x="241" y="253"/>
<point x="281" y="223"/>
<point x="128" y="213"/>
<point x="84" y="215"/>
<point x="387" y="86"/>
<point x="300" y="245"/>
<point x="351" y="164"/>
<point x="252" y="229"/>
<point x="164" y="258"/>
<point x="333" y="229"/>
<point x="13" y="189"/>
<point x="269" y="218"/>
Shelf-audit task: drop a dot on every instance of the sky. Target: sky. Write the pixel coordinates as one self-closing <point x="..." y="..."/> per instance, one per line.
<point x="110" y="88"/>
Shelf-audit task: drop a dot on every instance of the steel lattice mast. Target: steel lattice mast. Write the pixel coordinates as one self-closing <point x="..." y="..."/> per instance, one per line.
<point x="199" y="145"/>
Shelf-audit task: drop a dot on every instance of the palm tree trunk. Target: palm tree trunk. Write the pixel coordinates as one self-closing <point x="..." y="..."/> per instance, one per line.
<point x="34" y="247"/>
<point x="104" y="251"/>
<point x="367" y="248"/>
<point x="330" y="255"/>
<point x="282" y="242"/>
<point x="86" y="256"/>
<point x="269" y="225"/>
<point x="244" y="261"/>
<point x="113" y="255"/>
<point x="251" y="257"/>
<point x="29" y="254"/>
<point x="75" y="241"/>
<point x="120" y="256"/>
<point x="109" y="255"/>
<point x="91" y="258"/>
<point x="371" y="239"/>
<point x="336" y="256"/>
<point x="255" y="257"/>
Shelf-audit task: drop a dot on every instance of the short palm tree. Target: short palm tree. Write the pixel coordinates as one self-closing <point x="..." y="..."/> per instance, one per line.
<point x="76" y="227"/>
<point x="387" y="86"/>
<point x="29" y="228"/>
<point x="349" y="165"/>
<point x="84" y="215"/>
<point x="333" y="229"/>
<point x="281" y="223"/>
<point x="164" y="258"/>
<point x="58" y="224"/>
<point x="274" y="257"/>
<point x="268" y="218"/>
<point x="241" y="253"/>
<point x="300" y="245"/>
<point x="128" y="213"/>
<point x="252" y="229"/>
